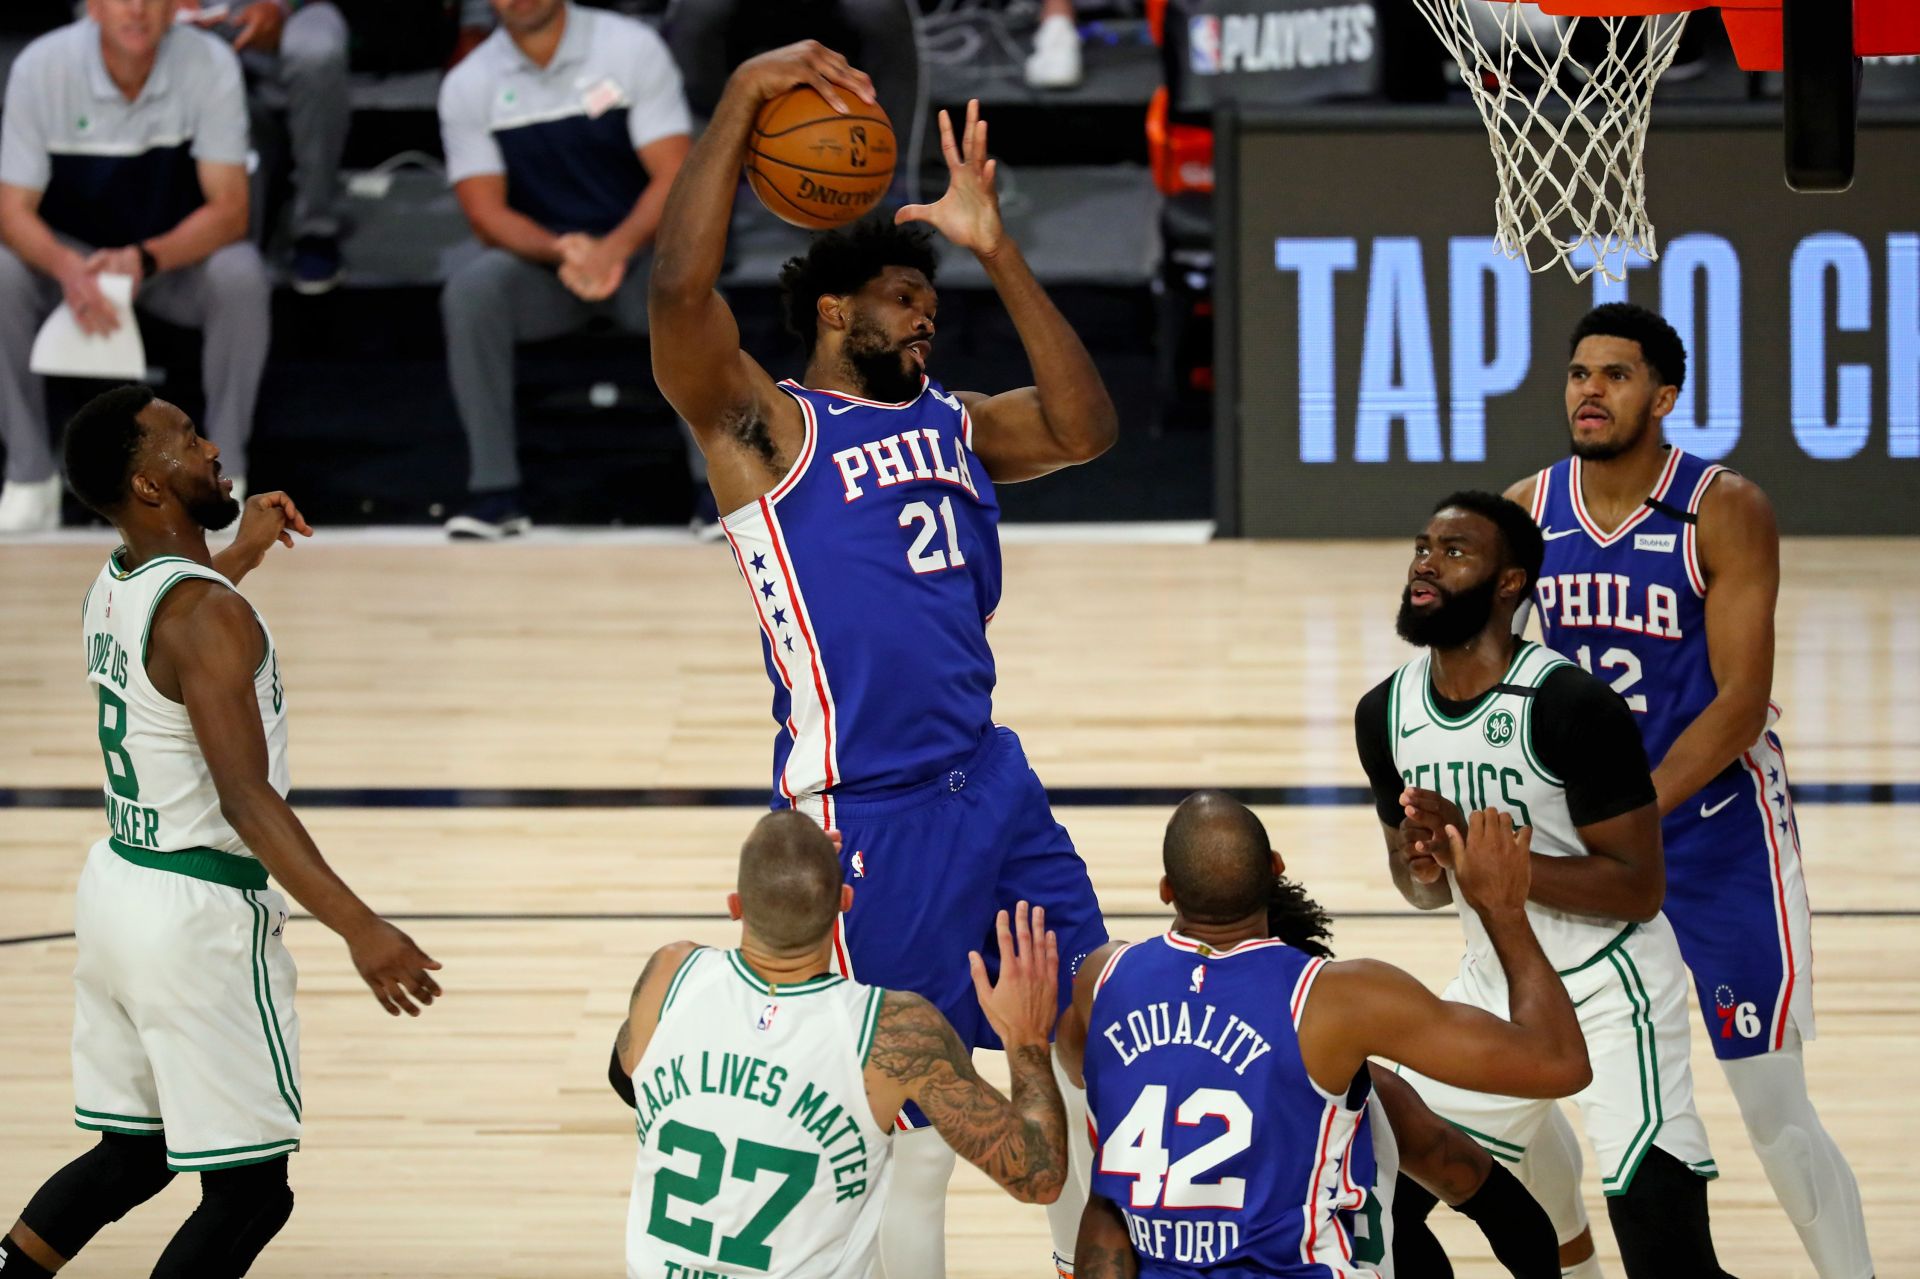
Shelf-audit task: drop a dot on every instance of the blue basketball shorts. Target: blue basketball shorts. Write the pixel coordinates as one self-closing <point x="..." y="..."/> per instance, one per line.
<point x="931" y="866"/>
<point x="1738" y="904"/>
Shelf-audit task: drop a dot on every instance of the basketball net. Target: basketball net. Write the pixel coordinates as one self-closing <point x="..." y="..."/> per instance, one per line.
<point x="1568" y="137"/>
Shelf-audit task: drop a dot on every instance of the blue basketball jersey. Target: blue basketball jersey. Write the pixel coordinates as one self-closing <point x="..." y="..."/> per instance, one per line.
<point x="874" y="568"/>
<point x="1223" y="1155"/>
<point x="1630" y="605"/>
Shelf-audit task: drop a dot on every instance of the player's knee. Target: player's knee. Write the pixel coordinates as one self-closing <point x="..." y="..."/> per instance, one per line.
<point x="110" y="1180"/>
<point x="241" y="1210"/>
<point x="1662" y="1214"/>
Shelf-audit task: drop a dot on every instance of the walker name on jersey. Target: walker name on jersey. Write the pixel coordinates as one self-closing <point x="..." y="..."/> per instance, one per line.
<point x="1158" y="1026"/>
<point x="910" y="455"/>
<point x="133" y="823"/>
<point x="106" y="657"/>
<point x="1608" y="600"/>
<point x="1196" y="1241"/>
<point x="1471" y="784"/>
<point x="753" y="1079"/>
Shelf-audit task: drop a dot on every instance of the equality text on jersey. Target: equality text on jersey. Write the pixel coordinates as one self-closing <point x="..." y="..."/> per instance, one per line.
<point x="1609" y="600"/>
<point x="1157" y="1025"/>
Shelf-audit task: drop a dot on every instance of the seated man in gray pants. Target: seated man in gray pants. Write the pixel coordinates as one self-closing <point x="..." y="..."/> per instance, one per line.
<point x="123" y="149"/>
<point x="563" y="132"/>
<point x="297" y="50"/>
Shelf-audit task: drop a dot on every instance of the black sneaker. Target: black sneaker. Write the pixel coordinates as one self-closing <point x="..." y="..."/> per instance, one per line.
<point x="316" y="265"/>
<point x="489" y="517"/>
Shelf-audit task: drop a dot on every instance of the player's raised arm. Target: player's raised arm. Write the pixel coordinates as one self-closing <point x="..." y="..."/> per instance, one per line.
<point x="1066" y="416"/>
<point x="206" y="640"/>
<point x="1362" y="1008"/>
<point x="1021" y="1144"/>
<point x="697" y="360"/>
<point x="1740" y="555"/>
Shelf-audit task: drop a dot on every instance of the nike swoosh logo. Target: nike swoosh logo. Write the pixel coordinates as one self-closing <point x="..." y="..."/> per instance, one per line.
<point x="1409" y="732"/>
<point x="838" y="409"/>
<point x="1548" y="535"/>
<point x="1708" y="812"/>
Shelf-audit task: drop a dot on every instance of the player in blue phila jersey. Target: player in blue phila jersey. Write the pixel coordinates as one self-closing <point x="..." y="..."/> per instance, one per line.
<point x="1660" y="577"/>
<point x="1227" y="1074"/>
<point x="860" y="511"/>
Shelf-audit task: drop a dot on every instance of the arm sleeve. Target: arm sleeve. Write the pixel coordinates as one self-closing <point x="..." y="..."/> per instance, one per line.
<point x="220" y="106"/>
<point x="622" y="1082"/>
<point x="23" y="133"/>
<point x="471" y="150"/>
<point x="1370" y="731"/>
<point x="653" y="82"/>
<point x="1586" y="736"/>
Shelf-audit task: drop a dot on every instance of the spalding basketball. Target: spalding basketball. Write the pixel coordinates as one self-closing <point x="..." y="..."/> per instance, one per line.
<point x="814" y="167"/>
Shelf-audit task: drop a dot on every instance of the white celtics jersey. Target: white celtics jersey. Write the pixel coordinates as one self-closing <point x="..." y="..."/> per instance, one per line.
<point x="759" y="1154"/>
<point x="160" y="796"/>
<point x="1486" y="758"/>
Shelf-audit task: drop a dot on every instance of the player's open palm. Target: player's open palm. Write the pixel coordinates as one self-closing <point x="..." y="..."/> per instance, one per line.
<point x="397" y="971"/>
<point x="1022" y="1006"/>
<point x="969" y="213"/>
<point x="1490" y="862"/>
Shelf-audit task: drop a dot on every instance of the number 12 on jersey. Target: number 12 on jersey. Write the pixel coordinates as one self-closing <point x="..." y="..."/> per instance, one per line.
<point x="919" y="558"/>
<point x="1137" y="1148"/>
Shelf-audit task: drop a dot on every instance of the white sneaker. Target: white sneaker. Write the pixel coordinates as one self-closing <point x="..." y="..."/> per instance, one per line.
<point x="1055" y="61"/>
<point x="30" y="506"/>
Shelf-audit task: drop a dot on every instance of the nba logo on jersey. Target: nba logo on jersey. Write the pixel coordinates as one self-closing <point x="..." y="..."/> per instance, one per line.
<point x="1199" y="978"/>
<point x="766" y="1017"/>
<point x="859" y="866"/>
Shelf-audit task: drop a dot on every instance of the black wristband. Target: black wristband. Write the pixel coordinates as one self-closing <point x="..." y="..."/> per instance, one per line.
<point x="622" y="1082"/>
<point x="149" y="265"/>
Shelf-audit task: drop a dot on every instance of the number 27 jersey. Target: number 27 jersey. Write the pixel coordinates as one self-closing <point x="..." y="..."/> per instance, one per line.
<point x="874" y="568"/>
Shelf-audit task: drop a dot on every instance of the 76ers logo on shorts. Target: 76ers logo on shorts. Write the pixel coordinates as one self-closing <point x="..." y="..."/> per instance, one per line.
<point x="1203" y="44"/>
<point x="1735" y="1017"/>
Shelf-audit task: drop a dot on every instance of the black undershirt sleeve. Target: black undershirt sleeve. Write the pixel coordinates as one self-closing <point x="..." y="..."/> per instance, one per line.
<point x="1586" y="736"/>
<point x="1370" y="735"/>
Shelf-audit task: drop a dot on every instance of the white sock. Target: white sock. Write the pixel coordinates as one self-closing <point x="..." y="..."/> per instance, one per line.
<point x="913" y="1221"/>
<point x="1588" y="1269"/>
<point x="1063" y="1214"/>
<point x="1809" y="1175"/>
<point x="1551" y="1170"/>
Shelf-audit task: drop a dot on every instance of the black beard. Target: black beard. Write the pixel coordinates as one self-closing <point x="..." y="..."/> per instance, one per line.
<point x="213" y="509"/>
<point x="1461" y="616"/>
<point x="882" y="370"/>
<point x="1602" y="450"/>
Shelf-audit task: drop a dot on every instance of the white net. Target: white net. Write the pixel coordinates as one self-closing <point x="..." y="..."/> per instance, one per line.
<point x="1566" y="102"/>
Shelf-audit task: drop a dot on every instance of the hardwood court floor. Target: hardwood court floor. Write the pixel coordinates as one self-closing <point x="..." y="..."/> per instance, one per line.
<point x="481" y="1140"/>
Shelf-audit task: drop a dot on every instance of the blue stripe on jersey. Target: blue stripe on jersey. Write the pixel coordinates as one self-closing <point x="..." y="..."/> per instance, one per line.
<point x="878" y="570"/>
<point x="1221" y="1153"/>
<point x="1630" y="605"/>
<point x="110" y="200"/>
<point x="577" y="173"/>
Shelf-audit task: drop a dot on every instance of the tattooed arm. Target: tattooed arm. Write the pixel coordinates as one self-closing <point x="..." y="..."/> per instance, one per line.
<point x="643" y="1006"/>
<point x="1020" y="1144"/>
<point x="1103" y="1250"/>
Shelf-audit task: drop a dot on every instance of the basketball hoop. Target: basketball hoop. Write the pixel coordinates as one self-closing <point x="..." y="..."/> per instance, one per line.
<point x="1568" y="132"/>
<point x="1565" y="89"/>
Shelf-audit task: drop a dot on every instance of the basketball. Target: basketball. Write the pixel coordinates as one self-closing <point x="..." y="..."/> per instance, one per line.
<point x="814" y="167"/>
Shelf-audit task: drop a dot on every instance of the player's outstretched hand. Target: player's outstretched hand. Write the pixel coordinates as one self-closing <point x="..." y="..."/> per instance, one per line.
<point x="1490" y="862"/>
<point x="808" y="62"/>
<point x="1023" y="1005"/>
<point x="394" y="968"/>
<point x="265" y="519"/>
<point x="969" y="213"/>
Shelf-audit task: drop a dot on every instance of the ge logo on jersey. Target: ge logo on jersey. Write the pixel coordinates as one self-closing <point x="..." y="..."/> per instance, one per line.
<point x="1199" y="978"/>
<point x="1499" y="729"/>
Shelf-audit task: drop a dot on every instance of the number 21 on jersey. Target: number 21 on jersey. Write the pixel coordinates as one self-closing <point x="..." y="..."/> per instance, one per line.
<point x="919" y="558"/>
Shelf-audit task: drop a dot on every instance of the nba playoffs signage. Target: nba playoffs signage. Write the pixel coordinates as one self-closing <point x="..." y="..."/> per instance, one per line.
<point x="1378" y="351"/>
<point x="1270" y="52"/>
